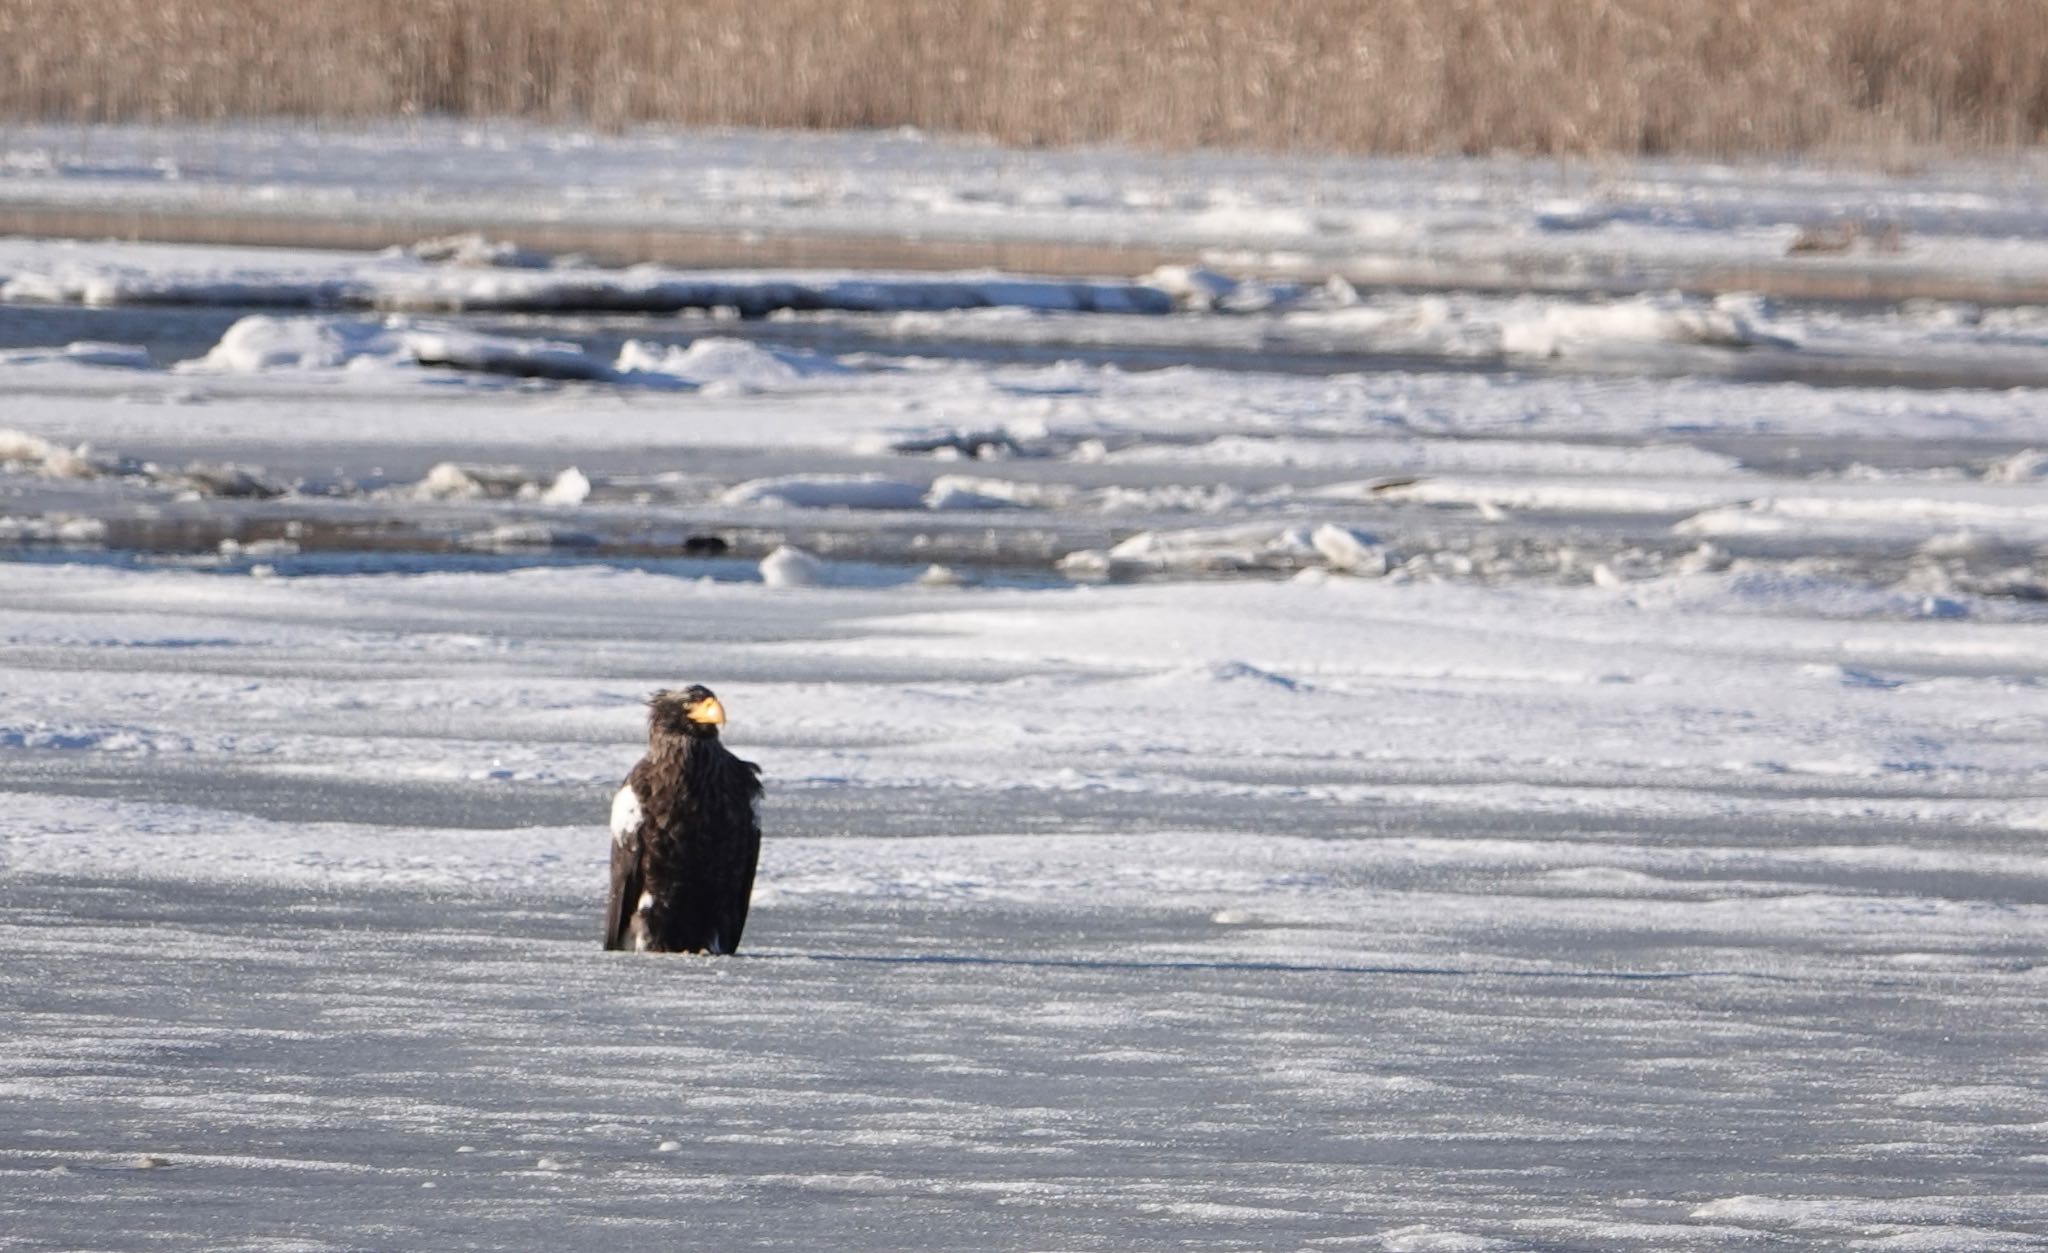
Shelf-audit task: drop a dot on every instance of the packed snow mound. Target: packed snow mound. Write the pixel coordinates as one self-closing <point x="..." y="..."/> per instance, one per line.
<point x="734" y="364"/>
<point x="790" y="566"/>
<point x="261" y="343"/>
<point x="827" y="491"/>
<point x="1562" y="330"/>
<point x="967" y="492"/>
<point x="571" y="487"/>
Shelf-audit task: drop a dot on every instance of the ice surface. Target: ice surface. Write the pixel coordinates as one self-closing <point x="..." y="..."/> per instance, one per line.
<point x="1436" y="917"/>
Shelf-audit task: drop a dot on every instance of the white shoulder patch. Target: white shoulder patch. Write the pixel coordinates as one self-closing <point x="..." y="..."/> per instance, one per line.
<point x="625" y="815"/>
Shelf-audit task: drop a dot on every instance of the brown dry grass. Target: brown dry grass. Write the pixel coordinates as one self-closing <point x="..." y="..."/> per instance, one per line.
<point x="1544" y="76"/>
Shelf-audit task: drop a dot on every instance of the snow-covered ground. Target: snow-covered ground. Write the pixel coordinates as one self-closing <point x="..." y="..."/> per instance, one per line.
<point x="1250" y="764"/>
<point x="1332" y="914"/>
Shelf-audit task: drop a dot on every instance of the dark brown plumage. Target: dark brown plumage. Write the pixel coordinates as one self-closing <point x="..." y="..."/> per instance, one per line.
<point x="684" y="837"/>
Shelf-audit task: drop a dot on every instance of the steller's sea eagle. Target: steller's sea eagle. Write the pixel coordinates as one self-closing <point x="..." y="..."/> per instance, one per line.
<point x="684" y="837"/>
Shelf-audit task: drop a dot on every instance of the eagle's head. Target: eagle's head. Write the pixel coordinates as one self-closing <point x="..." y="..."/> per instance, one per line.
<point x="693" y="712"/>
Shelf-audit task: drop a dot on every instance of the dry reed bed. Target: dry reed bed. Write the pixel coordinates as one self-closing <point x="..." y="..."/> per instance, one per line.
<point x="1544" y="76"/>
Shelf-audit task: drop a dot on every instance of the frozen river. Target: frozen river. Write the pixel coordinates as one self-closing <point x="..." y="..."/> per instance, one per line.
<point x="1250" y="765"/>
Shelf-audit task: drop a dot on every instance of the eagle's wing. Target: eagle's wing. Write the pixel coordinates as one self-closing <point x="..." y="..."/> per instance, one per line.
<point x="744" y="850"/>
<point x="627" y="821"/>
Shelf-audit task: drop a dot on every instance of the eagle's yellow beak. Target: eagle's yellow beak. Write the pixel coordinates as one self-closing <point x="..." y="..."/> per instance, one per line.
<point x="707" y="711"/>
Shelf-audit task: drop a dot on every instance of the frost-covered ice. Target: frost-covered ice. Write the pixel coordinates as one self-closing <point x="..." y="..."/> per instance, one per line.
<point x="1222" y="915"/>
<point x="709" y="441"/>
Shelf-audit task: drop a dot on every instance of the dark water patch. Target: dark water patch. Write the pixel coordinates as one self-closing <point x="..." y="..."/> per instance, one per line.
<point x="170" y="335"/>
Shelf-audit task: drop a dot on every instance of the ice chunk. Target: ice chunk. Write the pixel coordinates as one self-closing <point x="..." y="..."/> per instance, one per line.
<point x="827" y="491"/>
<point x="966" y="492"/>
<point x="449" y="481"/>
<point x="571" y="487"/>
<point x="2029" y="465"/>
<point x="789" y="566"/>
<point x="1192" y="287"/>
<point x="1256" y="546"/>
<point x="1351" y="551"/>
<point x="721" y="364"/>
<point x="260" y="342"/>
<point x="1557" y="329"/>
